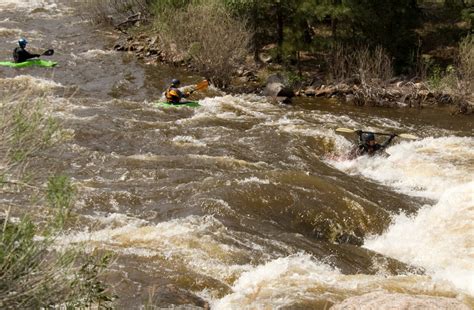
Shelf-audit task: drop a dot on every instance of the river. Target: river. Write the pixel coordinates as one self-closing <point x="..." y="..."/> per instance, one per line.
<point x="243" y="203"/>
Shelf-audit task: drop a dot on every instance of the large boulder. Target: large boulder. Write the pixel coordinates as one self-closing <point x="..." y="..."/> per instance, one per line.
<point x="278" y="86"/>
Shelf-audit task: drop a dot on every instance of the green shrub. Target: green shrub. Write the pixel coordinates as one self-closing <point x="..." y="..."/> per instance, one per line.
<point x="207" y="35"/>
<point x="34" y="276"/>
<point x="60" y="194"/>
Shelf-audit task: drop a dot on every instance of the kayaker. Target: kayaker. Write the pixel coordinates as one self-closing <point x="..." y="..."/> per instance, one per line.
<point x="173" y="94"/>
<point x="22" y="55"/>
<point x="367" y="144"/>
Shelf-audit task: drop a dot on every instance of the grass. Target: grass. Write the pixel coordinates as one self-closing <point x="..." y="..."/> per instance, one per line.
<point x="32" y="273"/>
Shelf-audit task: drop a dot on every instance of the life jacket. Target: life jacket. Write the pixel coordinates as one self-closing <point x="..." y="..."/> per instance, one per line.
<point x="21" y="55"/>
<point x="370" y="150"/>
<point x="17" y="53"/>
<point x="173" y="95"/>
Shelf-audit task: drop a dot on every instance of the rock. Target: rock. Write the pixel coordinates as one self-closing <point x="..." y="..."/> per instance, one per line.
<point x="242" y="79"/>
<point x="394" y="93"/>
<point x="394" y="80"/>
<point x="349" y="238"/>
<point x="172" y="296"/>
<point x="277" y="78"/>
<point x="400" y="84"/>
<point x="248" y="73"/>
<point x="317" y="82"/>
<point x="384" y="300"/>
<point x="285" y="100"/>
<point x="420" y="86"/>
<point x="278" y="90"/>
<point x="325" y="91"/>
<point x="277" y="86"/>
<point x="310" y="91"/>
<point x="350" y="98"/>
<point x="265" y="57"/>
<point x="353" y="80"/>
<point x="119" y="47"/>
<point x="342" y="88"/>
<point x="425" y="93"/>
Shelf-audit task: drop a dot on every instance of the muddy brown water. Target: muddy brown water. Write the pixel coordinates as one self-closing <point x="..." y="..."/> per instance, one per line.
<point x="240" y="203"/>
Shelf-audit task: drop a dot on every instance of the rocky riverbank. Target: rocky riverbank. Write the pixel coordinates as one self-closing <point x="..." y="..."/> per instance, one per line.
<point x="398" y="92"/>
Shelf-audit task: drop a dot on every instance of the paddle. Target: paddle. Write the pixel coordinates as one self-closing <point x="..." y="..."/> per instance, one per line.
<point x="49" y="52"/>
<point x="200" y="86"/>
<point x="401" y="135"/>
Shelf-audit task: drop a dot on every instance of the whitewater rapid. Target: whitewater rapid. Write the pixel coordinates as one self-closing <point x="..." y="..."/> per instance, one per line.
<point x="137" y="186"/>
<point x="440" y="236"/>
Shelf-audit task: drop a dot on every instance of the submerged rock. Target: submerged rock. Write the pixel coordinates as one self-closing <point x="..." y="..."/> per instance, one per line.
<point x="173" y="296"/>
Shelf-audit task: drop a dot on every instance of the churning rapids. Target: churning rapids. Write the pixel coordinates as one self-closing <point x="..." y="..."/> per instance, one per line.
<point x="242" y="203"/>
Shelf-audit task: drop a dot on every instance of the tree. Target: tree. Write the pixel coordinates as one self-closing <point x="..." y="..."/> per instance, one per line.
<point x="389" y="23"/>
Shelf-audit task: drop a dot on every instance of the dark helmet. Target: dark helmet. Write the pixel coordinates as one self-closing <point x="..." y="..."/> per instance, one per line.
<point x="22" y="42"/>
<point x="175" y="82"/>
<point x="368" y="136"/>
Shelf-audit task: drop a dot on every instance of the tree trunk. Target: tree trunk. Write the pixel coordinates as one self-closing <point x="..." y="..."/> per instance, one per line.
<point x="256" y="44"/>
<point x="280" y="25"/>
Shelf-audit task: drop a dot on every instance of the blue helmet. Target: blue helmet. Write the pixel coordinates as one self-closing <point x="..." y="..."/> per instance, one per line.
<point x="175" y="82"/>
<point x="368" y="136"/>
<point x="22" y="42"/>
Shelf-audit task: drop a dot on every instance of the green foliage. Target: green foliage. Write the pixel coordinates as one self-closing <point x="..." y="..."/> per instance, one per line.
<point x="161" y="6"/>
<point x="87" y="281"/>
<point x="390" y="24"/>
<point x="31" y="276"/>
<point x="60" y="194"/>
<point x="294" y="79"/>
<point x="113" y="11"/>
<point x="26" y="129"/>
<point x="459" y="79"/>
<point x="434" y="80"/>
<point x="215" y="43"/>
<point x="468" y="15"/>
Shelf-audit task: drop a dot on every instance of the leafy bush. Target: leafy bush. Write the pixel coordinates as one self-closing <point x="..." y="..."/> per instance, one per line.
<point x="213" y="41"/>
<point x="371" y="66"/>
<point x="31" y="276"/>
<point x="112" y="11"/>
<point x="25" y="130"/>
<point x="459" y="79"/>
<point x="32" y="273"/>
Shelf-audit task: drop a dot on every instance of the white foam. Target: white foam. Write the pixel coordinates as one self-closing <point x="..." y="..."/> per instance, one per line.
<point x="30" y="82"/>
<point x="7" y="32"/>
<point x="424" y="168"/>
<point x="440" y="237"/>
<point x="193" y="241"/>
<point x="49" y="5"/>
<point x="253" y="180"/>
<point x="300" y="278"/>
<point x="185" y="140"/>
<point x="95" y="53"/>
<point x="234" y="107"/>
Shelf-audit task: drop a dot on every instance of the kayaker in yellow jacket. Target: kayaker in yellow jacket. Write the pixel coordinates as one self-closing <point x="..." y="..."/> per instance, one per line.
<point x="173" y="94"/>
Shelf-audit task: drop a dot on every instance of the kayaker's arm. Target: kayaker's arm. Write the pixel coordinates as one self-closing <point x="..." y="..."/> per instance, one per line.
<point x="359" y="136"/>
<point x="21" y="55"/>
<point x="388" y="141"/>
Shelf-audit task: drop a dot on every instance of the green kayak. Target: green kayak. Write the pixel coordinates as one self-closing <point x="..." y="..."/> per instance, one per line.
<point x="29" y="63"/>
<point x="192" y="104"/>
